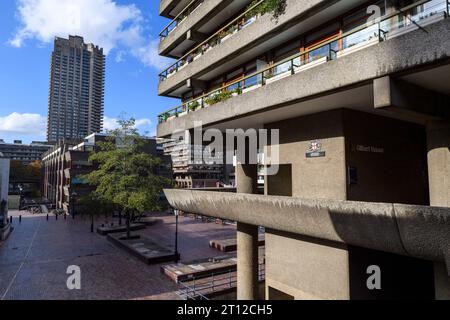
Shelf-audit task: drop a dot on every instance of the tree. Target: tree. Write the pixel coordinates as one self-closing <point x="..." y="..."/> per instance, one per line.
<point x="126" y="174"/>
<point x="88" y="202"/>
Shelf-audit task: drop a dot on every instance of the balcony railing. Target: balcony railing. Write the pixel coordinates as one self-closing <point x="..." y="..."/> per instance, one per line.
<point x="215" y="283"/>
<point x="410" y="18"/>
<point x="239" y="23"/>
<point x="188" y="10"/>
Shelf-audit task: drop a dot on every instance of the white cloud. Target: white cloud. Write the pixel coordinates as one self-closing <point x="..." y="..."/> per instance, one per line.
<point x="24" y="124"/>
<point x="102" y="22"/>
<point x="141" y="124"/>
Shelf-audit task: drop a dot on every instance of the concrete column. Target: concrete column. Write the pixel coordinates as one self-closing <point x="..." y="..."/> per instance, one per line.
<point x="247" y="178"/>
<point x="247" y="266"/>
<point x="247" y="239"/>
<point x="438" y="140"/>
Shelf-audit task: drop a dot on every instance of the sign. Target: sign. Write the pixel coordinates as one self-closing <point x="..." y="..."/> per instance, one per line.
<point x="369" y="149"/>
<point x="315" y="150"/>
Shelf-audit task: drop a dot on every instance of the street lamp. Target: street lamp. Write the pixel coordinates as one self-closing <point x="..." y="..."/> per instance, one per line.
<point x="177" y="255"/>
<point x="72" y="200"/>
<point x="20" y="196"/>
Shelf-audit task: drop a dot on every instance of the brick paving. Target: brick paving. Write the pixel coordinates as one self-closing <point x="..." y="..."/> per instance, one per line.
<point x="34" y="260"/>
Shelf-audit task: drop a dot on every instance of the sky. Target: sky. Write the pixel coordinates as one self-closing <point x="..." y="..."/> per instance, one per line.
<point x="127" y="30"/>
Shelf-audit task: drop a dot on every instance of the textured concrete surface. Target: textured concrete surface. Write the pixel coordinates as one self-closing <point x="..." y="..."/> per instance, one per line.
<point x="386" y="58"/>
<point x="34" y="260"/>
<point x="260" y="31"/>
<point x="417" y="231"/>
<point x="438" y="136"/>
<point x="321" y="269"/>
<point x="247" y="262"/>
<point x="189" y="23"/>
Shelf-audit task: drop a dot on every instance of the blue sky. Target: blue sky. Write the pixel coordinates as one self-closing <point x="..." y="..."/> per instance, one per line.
<point x="127" y="29"/>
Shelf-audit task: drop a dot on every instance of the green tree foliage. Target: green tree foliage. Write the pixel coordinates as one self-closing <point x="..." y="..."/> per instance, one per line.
<point x="276" y="7"/>
<point x="126" y="175"/>
<point x="22" y="172"/>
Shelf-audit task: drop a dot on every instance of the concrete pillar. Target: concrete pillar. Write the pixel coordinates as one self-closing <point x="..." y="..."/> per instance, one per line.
<point x="247" y="239"/>
<point x="438" y="140"/>
<point x="248" y="264"/>
<point x="247" y="178"/>
<point x="441" y="281"/>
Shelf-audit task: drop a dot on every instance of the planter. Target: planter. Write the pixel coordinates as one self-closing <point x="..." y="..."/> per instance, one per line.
<point x="256" y="86"/>
<point x="310" y="65"/>
<point x="197" y="57"/>
<point x="182" y="113"/>
<point x="358" y="47"/>
<point x="278" y="77"/>
<point x="249" y="22"/>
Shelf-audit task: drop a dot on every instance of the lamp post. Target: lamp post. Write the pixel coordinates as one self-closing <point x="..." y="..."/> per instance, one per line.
<point x="20" y="196"/>
<point x="73" y="196"/>
<point x="177" y="255"/>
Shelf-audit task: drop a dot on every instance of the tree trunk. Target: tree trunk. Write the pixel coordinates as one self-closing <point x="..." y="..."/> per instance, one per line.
<point x="128" y="226"/>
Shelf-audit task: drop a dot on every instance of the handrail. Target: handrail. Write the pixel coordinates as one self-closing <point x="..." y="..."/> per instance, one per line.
<point x="185" y="106"/>
<point x="165" y="32"/>
<point x="164" y="73"/>
<point x="200" y="291"/>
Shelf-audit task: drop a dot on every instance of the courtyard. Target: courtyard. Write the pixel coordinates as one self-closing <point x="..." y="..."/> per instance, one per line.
<point x="35" y="258"/>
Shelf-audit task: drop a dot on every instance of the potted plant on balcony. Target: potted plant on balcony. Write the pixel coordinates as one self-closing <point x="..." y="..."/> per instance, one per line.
<point x="193" y="106"/>
<point x="236" y="92"/>
<point x="166" y="116"/>
<point x="206" y="47"/>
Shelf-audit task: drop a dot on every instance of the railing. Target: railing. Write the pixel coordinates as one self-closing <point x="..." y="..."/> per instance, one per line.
<point x="189" y="9"/>
<point x="368" y="34"/>
<point x="239" y="23"/>
<point x="202" y="288"/>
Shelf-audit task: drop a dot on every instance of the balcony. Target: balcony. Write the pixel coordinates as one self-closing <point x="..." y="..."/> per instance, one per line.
<point x="245" y="38"/>
<point x="180" y="18"/>
<point x="370" y="35"/>
<point x="200" y="19"/>
<point x="171" y="8"/>
<point x="217" y="38"/>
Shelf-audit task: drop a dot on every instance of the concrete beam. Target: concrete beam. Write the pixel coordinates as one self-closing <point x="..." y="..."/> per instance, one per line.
<point x="195" y="84"/>
<point x="418" y="231"/>
<point x="400" y="96"/>
<point x="196" y="36"/>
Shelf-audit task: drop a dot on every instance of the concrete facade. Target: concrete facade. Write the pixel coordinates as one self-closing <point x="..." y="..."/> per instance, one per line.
<point x="63" y="166"/>
<point x="363" y="148"/>
<point x="25" y="153"/>
<point x="76" y="95"/>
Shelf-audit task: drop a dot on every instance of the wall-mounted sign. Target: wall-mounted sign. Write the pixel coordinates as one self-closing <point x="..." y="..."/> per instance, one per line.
<point x="315" y="150"/>
<point x="369" y="149"/>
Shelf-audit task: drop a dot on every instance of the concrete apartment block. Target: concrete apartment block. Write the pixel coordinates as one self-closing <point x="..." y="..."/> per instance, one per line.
<point x="76" y="98"/>
<point x="371" y="98"/>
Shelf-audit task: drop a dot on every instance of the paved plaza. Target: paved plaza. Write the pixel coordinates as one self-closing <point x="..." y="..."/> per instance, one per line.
<point x="35" y="258"/>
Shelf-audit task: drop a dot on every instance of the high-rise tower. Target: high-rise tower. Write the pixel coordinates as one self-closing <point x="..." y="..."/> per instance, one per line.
<point x="76" y="89"/>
